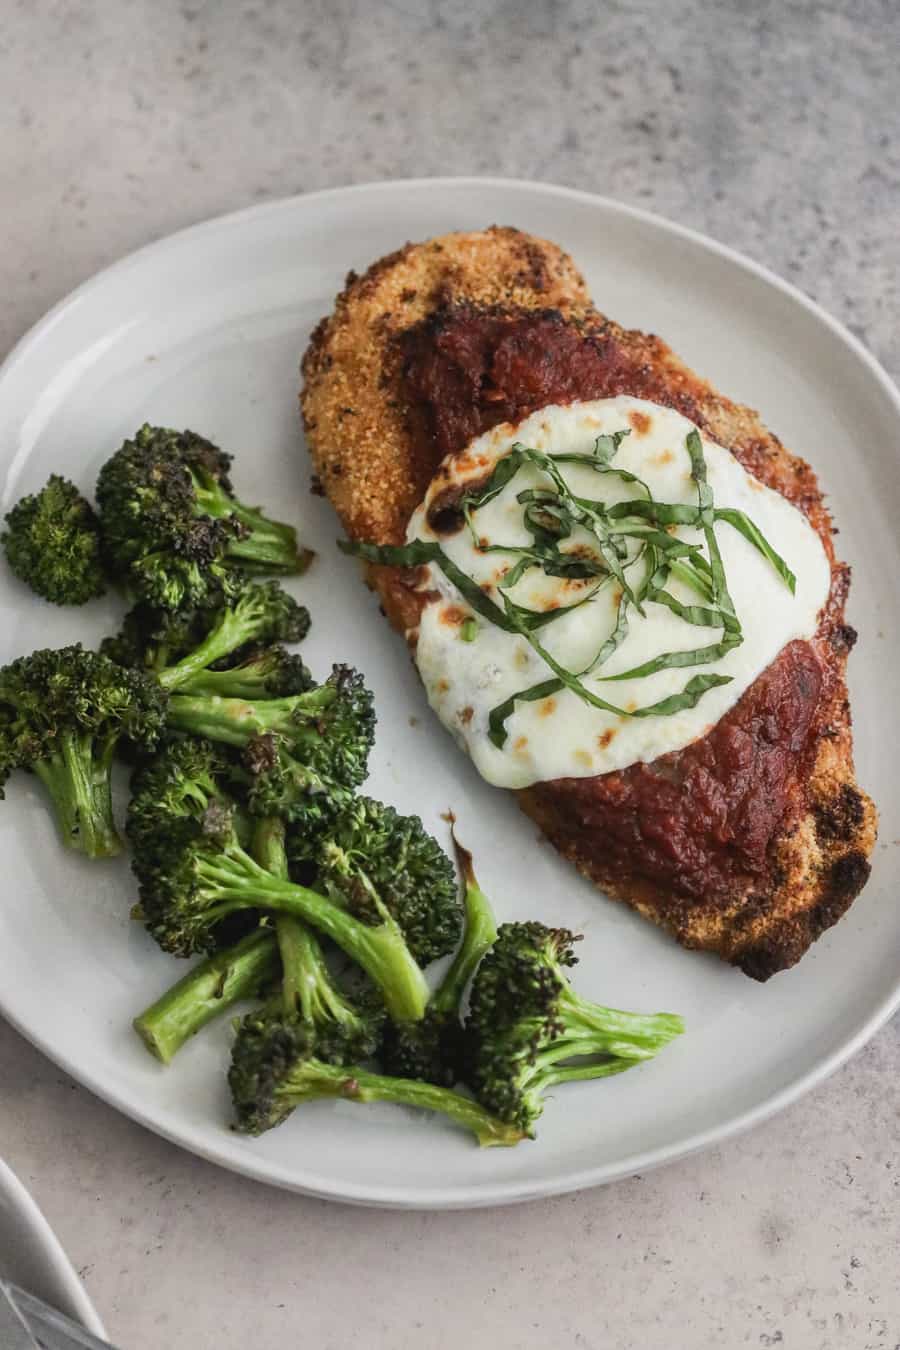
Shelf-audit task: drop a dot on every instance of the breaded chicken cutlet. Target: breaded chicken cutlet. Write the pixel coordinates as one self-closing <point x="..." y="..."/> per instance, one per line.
<point x="767" y="835"/>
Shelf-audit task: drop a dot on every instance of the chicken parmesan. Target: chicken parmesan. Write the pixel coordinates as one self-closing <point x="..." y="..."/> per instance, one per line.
<point x="620" y="589"/>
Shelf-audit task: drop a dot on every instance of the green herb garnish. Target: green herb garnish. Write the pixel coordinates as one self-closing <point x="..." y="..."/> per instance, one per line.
<point x="623" y="536"/>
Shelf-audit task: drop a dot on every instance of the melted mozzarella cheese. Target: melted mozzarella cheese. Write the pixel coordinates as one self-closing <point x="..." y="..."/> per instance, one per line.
<point x="562" y="736"/>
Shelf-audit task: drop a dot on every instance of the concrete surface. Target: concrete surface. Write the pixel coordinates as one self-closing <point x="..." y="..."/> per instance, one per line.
<point x="774" y="127"/>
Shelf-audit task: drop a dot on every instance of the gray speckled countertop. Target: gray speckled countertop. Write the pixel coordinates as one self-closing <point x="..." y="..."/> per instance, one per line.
<point x="774" y="127"/>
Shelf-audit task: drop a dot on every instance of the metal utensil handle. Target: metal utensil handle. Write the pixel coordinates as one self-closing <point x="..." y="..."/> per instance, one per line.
<point x="14" y="1334"/>
<point x="42" y="1327"/>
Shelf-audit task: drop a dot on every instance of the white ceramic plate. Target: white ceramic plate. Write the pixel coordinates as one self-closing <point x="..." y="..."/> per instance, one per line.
<point x="31" y="1257"/>
<point x="205" y="329"/>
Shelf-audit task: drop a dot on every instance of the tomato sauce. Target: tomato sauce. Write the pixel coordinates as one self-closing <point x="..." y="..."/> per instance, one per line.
<point x="698" y="822"/>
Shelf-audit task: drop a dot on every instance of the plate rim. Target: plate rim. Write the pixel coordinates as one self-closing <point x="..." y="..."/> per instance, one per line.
<point x="515" y="1191"/>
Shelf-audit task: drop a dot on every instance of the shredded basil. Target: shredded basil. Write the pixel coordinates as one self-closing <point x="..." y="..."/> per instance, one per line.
<point x="498" y="716"/>
<point x="423" y="551"/>
<point x="694" y="447"/>
<point x="622" y="534"/>
<point x="744" y="525"/>
<point x="688" y="697"/>
<point x="615" y="639"/>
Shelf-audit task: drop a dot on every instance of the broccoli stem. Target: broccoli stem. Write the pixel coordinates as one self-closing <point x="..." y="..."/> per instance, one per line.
<point x="589" y="1030"/>
<point x="232" y="683"/>
<point x="479" y="935"/>
<point x="628" y="1034"/>
<point x="269" y="847"/>
<point x="268" y="545"/>
<point x="295" y="942"/>
<point x="236" y="881"/>
<point x="306" y="982"/>
<point x="234" y="721"/>
<point x="546" y="1072"/>
<point x="77" y="779"/>
<point x="160" y="660"/>
<point x="207" y="991"/>
<point x="307" y="986"/>
<point x="231" y="632"/>
<point x="267" y="552"/>
<point x="315" y="1079"/>
<point x="580" y="1073"/>
<point x="587" y="1053"/>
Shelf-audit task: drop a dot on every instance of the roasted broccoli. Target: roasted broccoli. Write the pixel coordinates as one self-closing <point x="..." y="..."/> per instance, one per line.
<point x="172" y="529"/>
<point x="181" y="645"/>
<point x="61" y="715"/>
<point x="264" y="672"/>
<point x="432" y="1049"/>
<point x="154" y="639"/>
<point x="528" y="1029"/>
<point x="305" y="753"/>
<point x="194" y="872"/>
<point x="53" y="544"/>
<point x="182" y="780"/>
<point x="372" y="858"/>
<point x="308" y="988"/>
<point x="282" y="960"/>
<point x="279" y="1063"/>
<point x="250" y="968"/>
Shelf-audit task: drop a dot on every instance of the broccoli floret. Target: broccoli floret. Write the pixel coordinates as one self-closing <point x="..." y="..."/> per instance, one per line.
<point x="264" y="672"/>
<point x="62" y="714"/>
<point x="370" y="857"/>
<point x="305" y="753"/>
<point x="154" y="639"/>
<point x="194" y="873"/>
<point x="172" y="528"/>
<point x="262" y="613"/>
<point x="180" y="783"/>
<point x="308" y="989"/>
<point x="213" y="987"/>
<point x="277" y="1064"/>
<point x="433" y="1048"/>
<point x="181" y="645"/>
<point x="283" y="959"/>
<point x="528" y="1029"/>
<point x="53" y="544"/>
<point x="182" y="780"/>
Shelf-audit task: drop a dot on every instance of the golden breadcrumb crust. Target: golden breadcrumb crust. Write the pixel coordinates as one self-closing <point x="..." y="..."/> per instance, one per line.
<point x="356" y="416"/>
